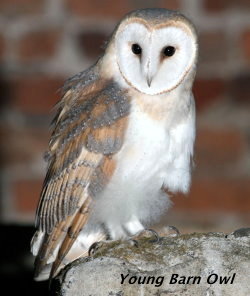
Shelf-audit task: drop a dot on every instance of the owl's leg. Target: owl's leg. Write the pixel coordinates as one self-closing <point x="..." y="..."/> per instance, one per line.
<point x="115" y="231"/>
<point x="133" y="226"/>
<point x="137" y="231"/>
<point x="118" y="232"/>
<point x="97" y="246"/>
<point x="150" y="233"/>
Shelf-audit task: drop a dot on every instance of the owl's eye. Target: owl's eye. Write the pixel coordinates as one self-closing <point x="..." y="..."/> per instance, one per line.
<point x="136" y="49"/>
<point x="169" y="51"/>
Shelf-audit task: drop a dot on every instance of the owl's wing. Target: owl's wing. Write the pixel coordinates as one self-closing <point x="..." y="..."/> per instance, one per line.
<point x="88" y="129"/>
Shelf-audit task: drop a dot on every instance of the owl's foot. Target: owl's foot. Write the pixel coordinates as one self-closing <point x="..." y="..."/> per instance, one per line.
<point x="146" y="233"/>
<point x="95" y="247"/>
<point x="102" y="246"/>
<point x="169" y="230"/>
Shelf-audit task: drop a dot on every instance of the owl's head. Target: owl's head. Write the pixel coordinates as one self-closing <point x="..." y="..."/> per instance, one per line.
<point x="155" y="49"/>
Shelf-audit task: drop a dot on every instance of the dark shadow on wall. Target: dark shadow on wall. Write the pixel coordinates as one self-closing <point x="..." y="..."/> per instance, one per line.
<point x="16" y="266"/>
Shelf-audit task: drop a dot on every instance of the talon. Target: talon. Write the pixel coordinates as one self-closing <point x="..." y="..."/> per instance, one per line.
<point x="175" y="229"/>
<point x="156" y="235"/>
<point x="144" y="233"/>
<point x="168" y="229"/>
<point x="93" y="248"/>
<point x="133" y="242"/>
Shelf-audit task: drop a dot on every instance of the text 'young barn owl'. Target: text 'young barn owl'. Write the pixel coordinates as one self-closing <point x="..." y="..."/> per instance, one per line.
<point x="123" y="135"/>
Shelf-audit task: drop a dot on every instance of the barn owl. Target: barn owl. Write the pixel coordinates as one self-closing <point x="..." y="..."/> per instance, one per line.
<point x="123" y="136"/>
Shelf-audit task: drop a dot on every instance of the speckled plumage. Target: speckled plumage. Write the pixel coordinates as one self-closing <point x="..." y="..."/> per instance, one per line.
<point x="123" y="133"/>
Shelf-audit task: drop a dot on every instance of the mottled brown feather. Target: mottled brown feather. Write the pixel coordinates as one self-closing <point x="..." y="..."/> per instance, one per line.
<point x="79" y="221"/>
<point x="106" y="168"/>
<point x="88" y="129"/>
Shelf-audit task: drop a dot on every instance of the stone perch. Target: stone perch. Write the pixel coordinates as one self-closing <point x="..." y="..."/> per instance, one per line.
<point x="209" y="264"/>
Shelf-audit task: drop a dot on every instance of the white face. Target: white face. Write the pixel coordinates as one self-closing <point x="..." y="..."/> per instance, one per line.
<point x="154" y="61"/>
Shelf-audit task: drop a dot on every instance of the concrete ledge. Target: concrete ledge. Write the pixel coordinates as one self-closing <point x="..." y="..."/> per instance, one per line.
<point x="208" y="264"/>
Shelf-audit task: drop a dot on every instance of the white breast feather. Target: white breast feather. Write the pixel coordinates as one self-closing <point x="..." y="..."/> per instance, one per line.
<point x="153" y="155"/>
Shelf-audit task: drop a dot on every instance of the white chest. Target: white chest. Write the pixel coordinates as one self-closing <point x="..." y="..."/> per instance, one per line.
<point x="145" y="150"/>
<point x="154" y="155"/>
<point x="156" y="152"/>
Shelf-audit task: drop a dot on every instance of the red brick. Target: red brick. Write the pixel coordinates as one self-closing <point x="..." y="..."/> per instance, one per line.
<point x="39" y="45"/>
<point x="115" y="9"/>
<point x="240" y="89"/>
<point x="246" y="45"/>
<point x="239" y="4"/>
<point x="218" y="149"/>
<point x="22" y="146"/>
<point x="92" y="44"/>
<point x="170" y="4"/>
<point x="2" y="46"/>
<point x="213" y="47"/>
<point x="17" y="7"/>
<point x="208" y="91"/>
<point x="218" y="6"/>
<point x="26" y="195"/>
<point x="35" y="94"/>
<point x="96" y="8"/>
<point x="216" y="195"/>
<point x="215" y="5"/>
<point x="243" y="4"/>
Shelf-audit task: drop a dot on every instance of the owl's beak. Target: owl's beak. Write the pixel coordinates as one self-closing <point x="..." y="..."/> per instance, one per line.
<point x="148" y="70"/>
<point x="149" y="80"/>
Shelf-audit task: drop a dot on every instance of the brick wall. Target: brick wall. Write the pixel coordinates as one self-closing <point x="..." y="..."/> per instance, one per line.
<point x="43" y="42"/>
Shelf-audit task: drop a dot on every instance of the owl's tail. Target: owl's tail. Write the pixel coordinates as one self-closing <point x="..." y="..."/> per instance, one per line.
<point x="79" y="249"/>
